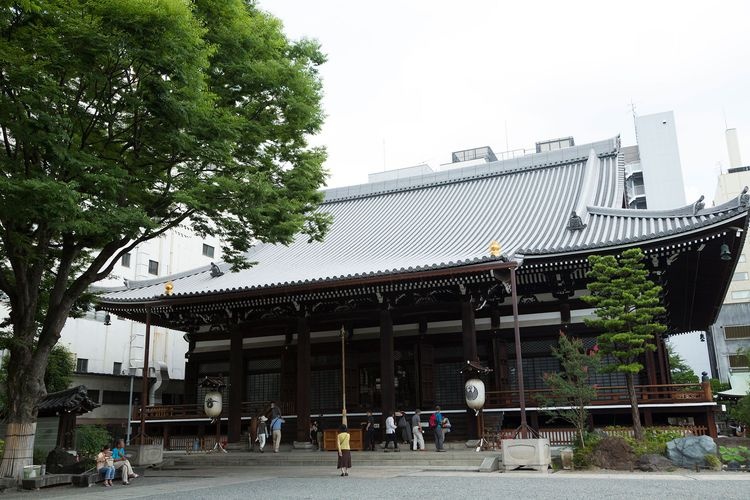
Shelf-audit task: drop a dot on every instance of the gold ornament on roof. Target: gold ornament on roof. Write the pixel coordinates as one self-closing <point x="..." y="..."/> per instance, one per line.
<point x="495" y="249"/>
<point x="168" y="288"/>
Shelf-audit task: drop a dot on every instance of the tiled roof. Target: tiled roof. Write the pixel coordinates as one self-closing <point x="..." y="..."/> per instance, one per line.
<point x="75" y="400"/>
<point x="448" y="219"/>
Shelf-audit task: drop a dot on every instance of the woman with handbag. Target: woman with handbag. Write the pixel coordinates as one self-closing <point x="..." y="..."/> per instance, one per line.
<point x="105" y="465"/>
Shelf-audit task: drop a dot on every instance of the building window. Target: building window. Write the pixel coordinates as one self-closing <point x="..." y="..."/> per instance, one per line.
<point x="117" y="368"/>
<point x="82" y="365"/>
<point x="742" y="276"/>
<point x="742" y="258"/>
<point x="153" y="267"/>
<point x="125" y="260"/>
<point x="737" y="361"/>
<point x="741" y="294"/>
<point x="208" y="251"/>
<point x="737" y="332"/>
<point x="93" y="395"/>
<point x="115" y="397"/>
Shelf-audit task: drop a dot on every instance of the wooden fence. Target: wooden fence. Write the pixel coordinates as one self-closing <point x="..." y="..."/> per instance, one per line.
<point x="567" y="436"/>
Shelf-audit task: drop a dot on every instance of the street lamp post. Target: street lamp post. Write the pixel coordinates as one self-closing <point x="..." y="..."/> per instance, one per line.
<point x="343" y="375"/>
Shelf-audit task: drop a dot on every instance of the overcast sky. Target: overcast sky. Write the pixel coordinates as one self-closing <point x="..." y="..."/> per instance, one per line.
<point x="411" y="81"/>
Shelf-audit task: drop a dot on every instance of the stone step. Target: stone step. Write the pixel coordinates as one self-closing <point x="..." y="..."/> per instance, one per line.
<point x="462" y="459"/>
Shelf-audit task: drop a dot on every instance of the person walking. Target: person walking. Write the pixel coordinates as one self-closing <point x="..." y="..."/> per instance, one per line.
<point x="403" y="425"/>
<point x="370" y="432"/>
<point x="439" y="435"/>
<point x="416" y="430"/>
<point x="345" y="454"/>
<point x="390" y="433"/>
<point x="262" y="432"/>
<point x="276" y="422"/>
<point x="120" y="461"/>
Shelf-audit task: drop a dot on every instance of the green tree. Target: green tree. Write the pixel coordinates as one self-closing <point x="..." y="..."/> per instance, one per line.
<point x="679" y="369"/>
<point x="570" y="391"/>
<point x="57" y="377"/>
<point x="627" y="303"/>
<point x="122" y="119"/>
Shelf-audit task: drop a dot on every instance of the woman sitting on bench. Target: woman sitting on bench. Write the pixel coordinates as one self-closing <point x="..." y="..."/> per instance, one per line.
<point x="104" y="465"/>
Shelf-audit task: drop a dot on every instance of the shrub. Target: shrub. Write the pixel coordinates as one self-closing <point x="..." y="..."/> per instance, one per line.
<point x="90" y="439"/>
<point x="739" y="454"/>
<point x="40" y="456"/>
<point x="582" y="454"/>
<point x="713" y="462"/>
<point x="654" y="440"/>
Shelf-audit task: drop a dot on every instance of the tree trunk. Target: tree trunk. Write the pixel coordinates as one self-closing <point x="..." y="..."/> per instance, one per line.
<point x="27" y="365"/>
<point x="637" y="428"/>
<point x="19" y="449"/>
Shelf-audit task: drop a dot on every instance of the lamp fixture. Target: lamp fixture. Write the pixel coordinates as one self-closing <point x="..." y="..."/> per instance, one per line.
<point x="702" y="337"/>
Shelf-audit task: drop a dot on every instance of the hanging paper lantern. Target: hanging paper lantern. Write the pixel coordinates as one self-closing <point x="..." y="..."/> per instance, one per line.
<point x="212" y="404"/>
<point x="474" y="393"/>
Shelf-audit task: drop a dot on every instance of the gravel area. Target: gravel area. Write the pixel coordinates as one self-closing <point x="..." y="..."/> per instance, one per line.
<point x="384" y="482"/>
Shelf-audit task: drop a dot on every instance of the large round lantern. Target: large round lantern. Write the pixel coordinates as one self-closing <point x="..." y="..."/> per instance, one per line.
<point x="212" y="404"/>
<point x="474" y="394"/>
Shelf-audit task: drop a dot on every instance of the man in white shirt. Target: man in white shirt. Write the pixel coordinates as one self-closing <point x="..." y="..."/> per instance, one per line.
<point x="390" y="432"/>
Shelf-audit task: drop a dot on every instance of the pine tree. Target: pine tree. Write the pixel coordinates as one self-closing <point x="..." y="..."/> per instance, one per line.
<point x="569" y="387"/>
<point x="627" y="303"/>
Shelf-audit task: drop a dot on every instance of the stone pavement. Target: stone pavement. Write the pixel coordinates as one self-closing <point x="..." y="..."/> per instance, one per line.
<point x="406" y="482"/>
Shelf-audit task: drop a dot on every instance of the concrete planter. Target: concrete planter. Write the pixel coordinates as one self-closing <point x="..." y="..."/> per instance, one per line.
<point x="145" y="454"/>
<point x="533" y="453"/>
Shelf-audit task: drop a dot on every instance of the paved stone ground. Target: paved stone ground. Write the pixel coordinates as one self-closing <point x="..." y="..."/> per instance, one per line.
<point x="384" y="482"/>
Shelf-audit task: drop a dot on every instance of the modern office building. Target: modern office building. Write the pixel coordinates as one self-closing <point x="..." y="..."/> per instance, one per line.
<point x="653" y="173"/>
<point x="730" y="335"/>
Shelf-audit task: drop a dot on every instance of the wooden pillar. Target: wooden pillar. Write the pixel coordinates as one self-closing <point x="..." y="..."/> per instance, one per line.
<point x="236" y="379"/>
<point x="651" y="367"/>
<point x="469" y="330"/>
<point x="663" y="358"/>
<point x="304" y="376"/>
<point x="191" y="381"/>
<point x="534" y="417"/>
<point x="648" y="417"/>
<point x="469" y="340"/>
<point x="711" y="423"/>
<point x="387" y="377"/>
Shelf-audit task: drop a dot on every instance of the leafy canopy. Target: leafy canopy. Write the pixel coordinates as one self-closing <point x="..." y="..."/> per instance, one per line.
<point x="627" y="305"/>
<point x="679" y="369"/>
<point x="120" y="119"/>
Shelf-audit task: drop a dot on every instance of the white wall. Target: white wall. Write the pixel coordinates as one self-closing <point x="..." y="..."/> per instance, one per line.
<point x="660" y="158"/>
<point x="123" y="341"/>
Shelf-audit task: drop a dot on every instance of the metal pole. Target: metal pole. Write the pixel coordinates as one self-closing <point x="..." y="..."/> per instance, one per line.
<point x="130" y="408"/>
<point x="519" y="364"/>
<point x="343" y="375"/>
<point x="144" y="386"/>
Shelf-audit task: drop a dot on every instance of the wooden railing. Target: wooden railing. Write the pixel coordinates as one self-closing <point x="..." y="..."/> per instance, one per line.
<point x="660" y="393"/>
<point x="177" y="412"/>
<point x="566" y="436"/>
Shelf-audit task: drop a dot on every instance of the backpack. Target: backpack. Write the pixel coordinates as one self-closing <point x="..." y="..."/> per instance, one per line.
<point x="433" y="421"/>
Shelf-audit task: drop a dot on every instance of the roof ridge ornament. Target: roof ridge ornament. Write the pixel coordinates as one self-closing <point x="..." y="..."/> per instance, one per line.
<point x="744" y="198"/>
<point x="216" y="271"/>
<point x="575" y="223"/>
<point x="699" y="205"/>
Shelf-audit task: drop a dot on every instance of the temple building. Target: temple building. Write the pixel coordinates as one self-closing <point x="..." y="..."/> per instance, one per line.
<point x="418" y="275"/>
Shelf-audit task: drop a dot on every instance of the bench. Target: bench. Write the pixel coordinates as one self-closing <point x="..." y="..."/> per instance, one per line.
<point x="46" y="480"/>
<point x="92" y="476"/>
